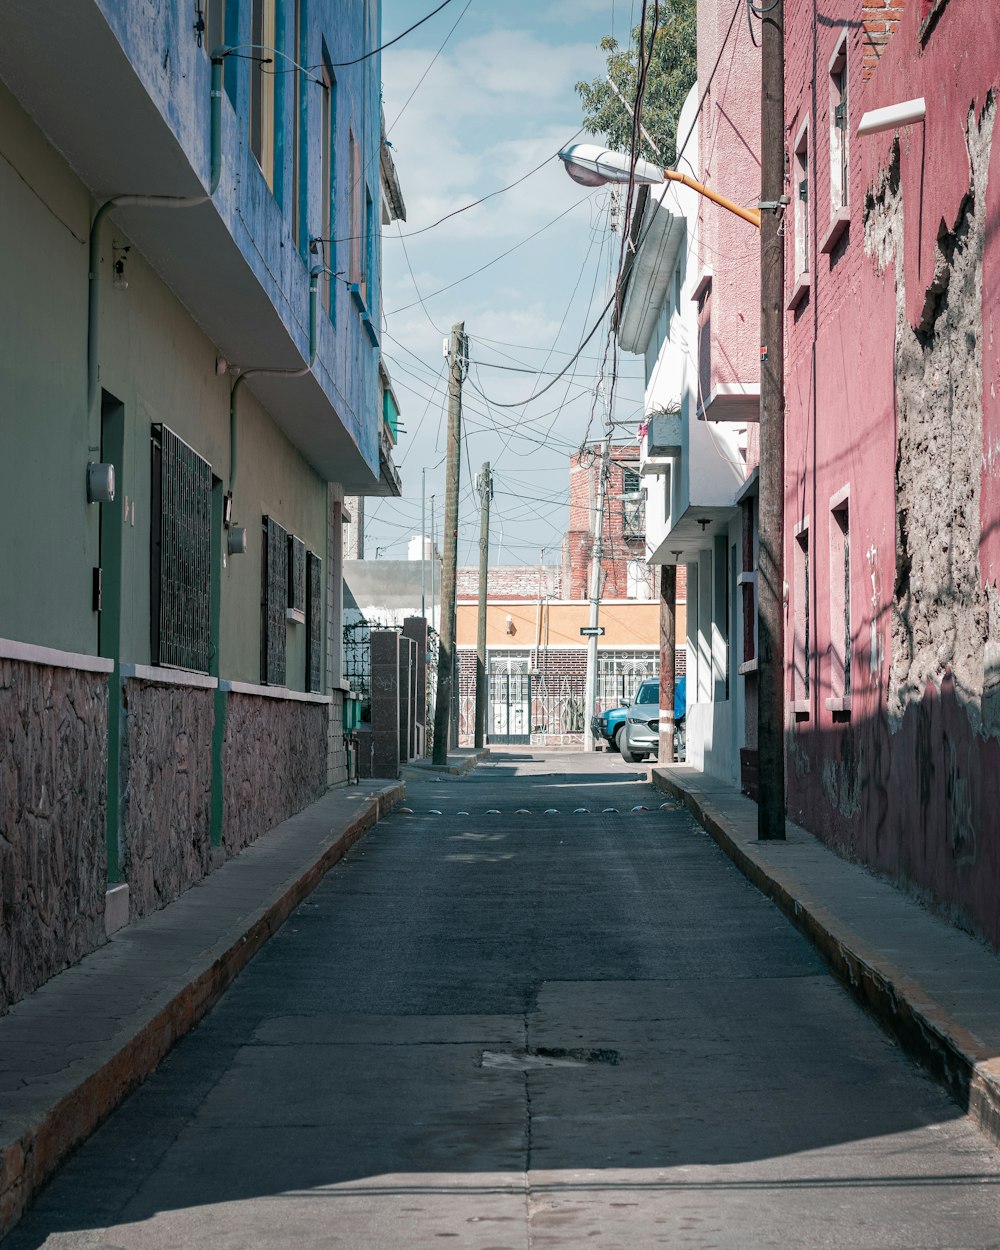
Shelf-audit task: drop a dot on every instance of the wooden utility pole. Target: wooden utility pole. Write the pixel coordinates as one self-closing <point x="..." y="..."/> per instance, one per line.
<point x="485" y="495"/>
<point x="668" y="662"/>
<point x="446" y="652"/>
<point x="771" y="564"/>
<point x="596" y="580"/>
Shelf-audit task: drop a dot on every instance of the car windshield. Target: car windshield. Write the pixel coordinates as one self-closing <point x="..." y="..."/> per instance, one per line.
<point x="649" y="692"/>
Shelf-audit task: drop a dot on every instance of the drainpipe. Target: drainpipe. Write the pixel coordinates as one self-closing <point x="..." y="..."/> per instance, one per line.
<point x="146" y="201"/>
<point x="314" y="275"/>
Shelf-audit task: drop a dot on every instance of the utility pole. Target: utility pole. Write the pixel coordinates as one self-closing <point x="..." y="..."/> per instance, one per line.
<point x="668" y="671"/>
<point x="447" y="653"/>
<point x="596" y="577"/>
<point x="771" y="564"/>
<point x="485" y="495"/>
<point x="433" y="563"/>
<point x="423" y="542"/>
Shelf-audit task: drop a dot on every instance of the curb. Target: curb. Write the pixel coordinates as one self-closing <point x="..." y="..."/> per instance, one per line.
<point x="463" y="766"/>
<point x="909" y="1013"/>
<point x="28" y="1161"/>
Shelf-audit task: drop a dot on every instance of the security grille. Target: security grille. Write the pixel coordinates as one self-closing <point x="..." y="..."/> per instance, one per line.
<point x="274" y="597"/>
<point x="557" y="705"/>
<point x="314" y="622"/>
<point x="433" y="651"/>
<point x="633" y="505"/>
<point x="296" y="574"/>
<point x="180" y="554"/>
<point x="358" y="663"/>
<point x="509" y="707"/>
<point x="621" y="673"/>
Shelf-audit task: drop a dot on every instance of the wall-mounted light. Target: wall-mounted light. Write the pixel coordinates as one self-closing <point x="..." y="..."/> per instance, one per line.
<point x="100" y="483"/>
<point x="511" y="627"/>
<point x="236" y="540"/>
<point x="891" y="116"/>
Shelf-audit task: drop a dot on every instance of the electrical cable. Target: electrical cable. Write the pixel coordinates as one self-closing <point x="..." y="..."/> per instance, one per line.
<point x="640" y="240"/>
<point x="420" y="298"/>
<point x="475" y="273"/>
<point x="492" y="195"/>
<point x="430" y="66"/>
<point x="389" y="43"/>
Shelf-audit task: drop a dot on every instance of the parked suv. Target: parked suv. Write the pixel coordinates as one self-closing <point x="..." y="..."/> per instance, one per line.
<point x="640" y="735"/>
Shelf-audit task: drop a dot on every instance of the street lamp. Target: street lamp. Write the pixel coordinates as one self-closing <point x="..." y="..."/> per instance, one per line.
<point x="592" y="166"/>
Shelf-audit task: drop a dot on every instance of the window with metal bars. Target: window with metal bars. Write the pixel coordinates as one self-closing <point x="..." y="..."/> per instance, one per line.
<point x="802" y="641"/>
<point x="633" y="505"/>
<point x="273" y="600"/>
<point x="802" y="220"/>
<point x="314" y="623"/>
<point x="838" y="127"/>
<point x="296" y="578"/>
<point x="180" y="554"/>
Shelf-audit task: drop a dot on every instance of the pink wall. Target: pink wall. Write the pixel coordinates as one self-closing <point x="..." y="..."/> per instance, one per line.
<point x="729" y="150"/>
<point x="885" y="400"/>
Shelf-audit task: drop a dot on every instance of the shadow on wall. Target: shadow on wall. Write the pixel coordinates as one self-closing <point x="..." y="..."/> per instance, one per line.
<point x="919" y="803"/>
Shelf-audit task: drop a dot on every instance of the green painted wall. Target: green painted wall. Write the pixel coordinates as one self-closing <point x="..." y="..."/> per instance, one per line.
<point x="50" y="533"/>
<point x="158" y="364"/>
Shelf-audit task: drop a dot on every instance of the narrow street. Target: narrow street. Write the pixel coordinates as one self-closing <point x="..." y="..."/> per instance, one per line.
<point x="501" y="1026"/>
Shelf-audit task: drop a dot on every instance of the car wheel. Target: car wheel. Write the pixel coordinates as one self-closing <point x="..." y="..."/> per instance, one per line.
<point x="617" y="744"/>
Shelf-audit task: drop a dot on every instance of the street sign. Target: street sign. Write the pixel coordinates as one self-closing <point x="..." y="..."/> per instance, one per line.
<point x="591" y="631"/>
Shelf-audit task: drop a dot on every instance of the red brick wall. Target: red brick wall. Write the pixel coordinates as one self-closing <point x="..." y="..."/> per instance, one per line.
<point x="880" y="19"/>
<point x="517" y="581"/>
<point x="578" y="543"/>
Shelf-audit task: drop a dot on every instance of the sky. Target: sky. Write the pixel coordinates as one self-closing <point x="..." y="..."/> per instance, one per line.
<point x="465" y="119"/>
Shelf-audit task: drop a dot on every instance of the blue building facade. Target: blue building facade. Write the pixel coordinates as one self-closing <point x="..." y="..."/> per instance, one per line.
<point x="189" y="386"/>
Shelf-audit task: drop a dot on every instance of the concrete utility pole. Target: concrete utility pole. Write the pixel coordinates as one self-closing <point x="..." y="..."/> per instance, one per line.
<point x="596" y="578"/>
<point x="433" y="563"/>
<point x="771" y="565"/>
<point x="485" y="495"/>
<point x="668" y="671"/>
<point x="447" y="653"/>
<point x="423" y="542"/>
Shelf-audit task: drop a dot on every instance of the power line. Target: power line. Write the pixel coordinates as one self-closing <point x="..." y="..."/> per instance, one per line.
<point x="382" y="47"/>
<point x="483" y="198"/>
<point x="428" y="69"/>
<point x="639" y="241"/>
<point x="489" y="263"/>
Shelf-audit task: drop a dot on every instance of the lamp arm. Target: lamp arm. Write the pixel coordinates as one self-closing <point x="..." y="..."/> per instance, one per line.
<point x="752" y="215"/>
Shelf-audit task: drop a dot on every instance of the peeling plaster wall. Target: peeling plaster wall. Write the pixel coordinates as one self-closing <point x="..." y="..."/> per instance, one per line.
<point x="940" y="608"/>
<point x="892" y="379"/>
<point x="53" y="860"/>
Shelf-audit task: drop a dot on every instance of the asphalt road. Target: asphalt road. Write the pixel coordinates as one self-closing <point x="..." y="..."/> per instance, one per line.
<point x="523" y="1029"/>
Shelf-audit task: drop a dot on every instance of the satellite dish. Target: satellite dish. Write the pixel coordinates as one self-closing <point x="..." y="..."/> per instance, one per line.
<point x="592" y="166"/>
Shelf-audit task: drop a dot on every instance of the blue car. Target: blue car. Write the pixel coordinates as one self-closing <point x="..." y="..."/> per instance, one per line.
<point x="607" y="726"/>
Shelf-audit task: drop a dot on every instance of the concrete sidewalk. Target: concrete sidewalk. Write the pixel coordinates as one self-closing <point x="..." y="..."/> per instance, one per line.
<point x="932" y="987"/>
<point x="75" y="1048"/>
<point x="461" y="760"/>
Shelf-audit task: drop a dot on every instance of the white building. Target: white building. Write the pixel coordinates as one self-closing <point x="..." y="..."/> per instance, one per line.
<point x="693" y="467"/>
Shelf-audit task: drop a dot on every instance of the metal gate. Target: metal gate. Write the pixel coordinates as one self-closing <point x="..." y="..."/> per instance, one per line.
<point x="509" y="715"/>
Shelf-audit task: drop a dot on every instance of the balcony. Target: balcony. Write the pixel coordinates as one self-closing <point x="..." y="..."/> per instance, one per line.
<point x="662" y="441"/>
<point x="735" y="402"/>
<point x="123" y="93"/>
